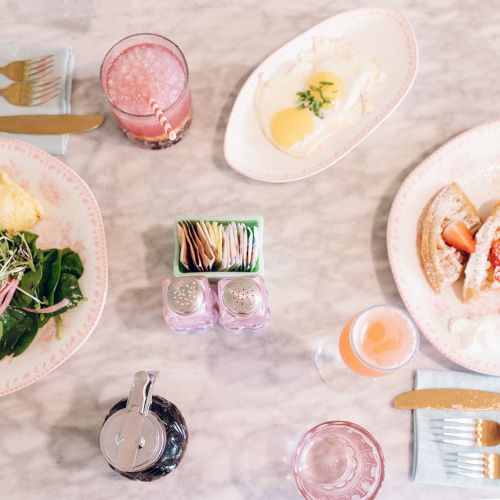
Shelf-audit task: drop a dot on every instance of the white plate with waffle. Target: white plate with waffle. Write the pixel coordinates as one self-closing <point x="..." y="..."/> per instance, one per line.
<point x="472" y="160"/>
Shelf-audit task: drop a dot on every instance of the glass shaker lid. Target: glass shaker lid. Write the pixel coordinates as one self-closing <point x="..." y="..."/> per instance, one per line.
<point x="185" y="295"/>
<point x="242" y="296"/>
<point x="133" y="439"/>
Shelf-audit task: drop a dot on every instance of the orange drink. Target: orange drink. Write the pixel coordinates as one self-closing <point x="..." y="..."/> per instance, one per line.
<point x="378" y="341"/>
<point x="374" y="343"/>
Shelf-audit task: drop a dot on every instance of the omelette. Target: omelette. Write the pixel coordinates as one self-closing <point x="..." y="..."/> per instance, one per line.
<point x="19" y="210"/>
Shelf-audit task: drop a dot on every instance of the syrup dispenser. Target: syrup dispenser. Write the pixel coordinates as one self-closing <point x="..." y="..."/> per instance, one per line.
<point x="144" y="437"/>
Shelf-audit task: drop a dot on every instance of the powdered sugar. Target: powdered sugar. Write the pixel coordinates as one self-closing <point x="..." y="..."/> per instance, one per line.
<point x="478" y="268"/>
<point x="449" y="205"/>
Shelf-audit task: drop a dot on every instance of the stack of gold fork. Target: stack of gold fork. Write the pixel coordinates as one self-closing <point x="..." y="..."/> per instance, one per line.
<point x="32" y="82"/>
<point x="476" y="432"/>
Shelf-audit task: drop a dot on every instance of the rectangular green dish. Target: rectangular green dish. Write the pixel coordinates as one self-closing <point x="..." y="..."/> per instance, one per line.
<point x="251" y="221"/>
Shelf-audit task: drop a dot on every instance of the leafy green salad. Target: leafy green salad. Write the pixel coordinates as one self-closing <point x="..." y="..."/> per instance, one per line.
<point x="35" y="286"/>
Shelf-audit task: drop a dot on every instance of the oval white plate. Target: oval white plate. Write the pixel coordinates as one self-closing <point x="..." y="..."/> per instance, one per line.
<point x="382" y="33"/>
<point x="72" y="218"/>
<point x="473" y="160"/>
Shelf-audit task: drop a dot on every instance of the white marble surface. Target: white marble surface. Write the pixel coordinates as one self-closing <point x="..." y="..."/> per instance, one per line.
<point x="246" y="399"/>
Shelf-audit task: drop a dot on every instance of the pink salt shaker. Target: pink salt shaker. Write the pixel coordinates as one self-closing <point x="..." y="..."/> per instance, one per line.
<point x="243" y="303"/>
<point x="188" y="303"/>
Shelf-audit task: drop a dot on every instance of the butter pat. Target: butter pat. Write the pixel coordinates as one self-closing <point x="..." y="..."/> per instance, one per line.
<point x="19" y="210"/>
<point x="478" y="333"/>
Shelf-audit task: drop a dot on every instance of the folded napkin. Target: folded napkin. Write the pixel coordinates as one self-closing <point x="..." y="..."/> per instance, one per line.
<point x="63" y="67"/>
<point x="431" y="457"/>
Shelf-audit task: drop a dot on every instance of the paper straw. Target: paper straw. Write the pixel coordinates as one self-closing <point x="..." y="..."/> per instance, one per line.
<point x="162" y="119"/>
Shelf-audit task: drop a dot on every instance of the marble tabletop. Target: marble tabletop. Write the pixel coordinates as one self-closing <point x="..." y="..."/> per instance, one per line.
<point x="248" y="398"/>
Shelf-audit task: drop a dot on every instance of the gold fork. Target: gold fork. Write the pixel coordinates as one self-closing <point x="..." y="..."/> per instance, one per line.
<point x="30" y="69"/>
<point x="479" y="465"/>
<point x="472" y="432"/>
<point x="31" y="93"/>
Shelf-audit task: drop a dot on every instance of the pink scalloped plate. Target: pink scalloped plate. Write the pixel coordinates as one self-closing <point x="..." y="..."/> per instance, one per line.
<point x="71" y="219"/>
<point x="472" y="159"/>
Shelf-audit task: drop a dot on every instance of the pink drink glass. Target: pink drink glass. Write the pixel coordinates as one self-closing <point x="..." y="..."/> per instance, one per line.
<point x="338" y="460"/>
<point x="146" y="66"/>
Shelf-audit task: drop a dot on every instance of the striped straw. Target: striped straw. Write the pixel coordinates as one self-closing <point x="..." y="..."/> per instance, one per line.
<point x="162" y="119"/>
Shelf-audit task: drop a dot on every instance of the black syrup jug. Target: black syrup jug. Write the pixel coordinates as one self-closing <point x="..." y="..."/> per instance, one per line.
<point x="143" y="437"/>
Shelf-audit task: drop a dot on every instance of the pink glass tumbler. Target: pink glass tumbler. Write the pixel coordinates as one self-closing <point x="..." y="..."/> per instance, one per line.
<point x="140" y="68"/>
<point x="338" y="460"/>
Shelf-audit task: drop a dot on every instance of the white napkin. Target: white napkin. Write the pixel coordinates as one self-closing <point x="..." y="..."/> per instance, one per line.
<point x="63" y="67"/>
<point x="431" y="457"/>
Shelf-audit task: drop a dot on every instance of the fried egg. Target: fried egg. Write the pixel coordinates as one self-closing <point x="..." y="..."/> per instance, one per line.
<point x="332" y="73"/>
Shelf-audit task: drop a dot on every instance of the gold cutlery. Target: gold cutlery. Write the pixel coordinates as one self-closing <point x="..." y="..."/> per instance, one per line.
<point x="479" y="465"/>
<point x="471" y="432"/>
<point x="31" y="93"/>
<point x="49" y="124"/>
<point x="448" y="399"/>
<point x="30" y="69"/>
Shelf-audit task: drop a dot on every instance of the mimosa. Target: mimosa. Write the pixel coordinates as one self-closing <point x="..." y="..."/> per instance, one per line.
<point x="374" y="343"/>
<point x="378" y="341"/>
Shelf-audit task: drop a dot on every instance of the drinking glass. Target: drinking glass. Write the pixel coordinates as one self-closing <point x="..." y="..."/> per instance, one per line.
<point x="143" y="67"/>
<point x="338" y="460"/>
<point x="375" y="343"/>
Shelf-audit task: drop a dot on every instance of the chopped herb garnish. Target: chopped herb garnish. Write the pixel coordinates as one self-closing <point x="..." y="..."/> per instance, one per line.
<point x="15" y="259"/>
<point x="307" y="100"/>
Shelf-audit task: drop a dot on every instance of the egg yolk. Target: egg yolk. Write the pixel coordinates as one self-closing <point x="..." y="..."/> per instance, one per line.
<point x="291" y="125"/>
<point x="330" y="92"/>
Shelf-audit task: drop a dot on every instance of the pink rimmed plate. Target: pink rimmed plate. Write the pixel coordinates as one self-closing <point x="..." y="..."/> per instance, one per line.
<point x="382" y="33"/>
<point x="72" y="218"/>
<point x="472" y="159"/>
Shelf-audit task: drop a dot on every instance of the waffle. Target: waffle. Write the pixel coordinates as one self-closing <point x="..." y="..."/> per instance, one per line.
<point x="442" y="263"/>
<point x="479" y="275"/>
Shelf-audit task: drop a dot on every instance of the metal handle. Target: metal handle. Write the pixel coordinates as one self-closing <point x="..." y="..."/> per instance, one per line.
<point x="138" y="404"/>
<point x="141" y="393"/>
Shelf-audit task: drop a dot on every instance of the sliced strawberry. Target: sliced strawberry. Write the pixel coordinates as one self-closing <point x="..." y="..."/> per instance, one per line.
<point x="495" y="253"/>
<point x="457" y="235"/>
<point x="495" y="258"/>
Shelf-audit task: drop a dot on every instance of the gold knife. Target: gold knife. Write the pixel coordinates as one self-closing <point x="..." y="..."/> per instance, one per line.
<point x="49" y="124"/>
<point x="448" y="399"/>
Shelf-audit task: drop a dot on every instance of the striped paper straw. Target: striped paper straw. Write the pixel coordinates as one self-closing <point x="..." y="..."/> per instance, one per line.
<point x="162" y="119"/>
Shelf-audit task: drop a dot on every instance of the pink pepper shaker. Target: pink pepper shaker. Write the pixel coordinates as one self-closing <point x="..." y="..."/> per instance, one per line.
<point x="243" y="303"/>
<point x="188" y="303"/>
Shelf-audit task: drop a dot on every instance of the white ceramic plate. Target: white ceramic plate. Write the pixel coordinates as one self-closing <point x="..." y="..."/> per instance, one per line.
<point x="382" y="33"/>
<point x="472" y="159"/>
<point x="72" y="219"/>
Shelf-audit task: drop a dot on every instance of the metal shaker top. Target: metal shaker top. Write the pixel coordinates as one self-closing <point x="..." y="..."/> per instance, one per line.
<point x="185" y="295"/>
<point x="133" y="439"/>
<point x="242" y="296"/>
